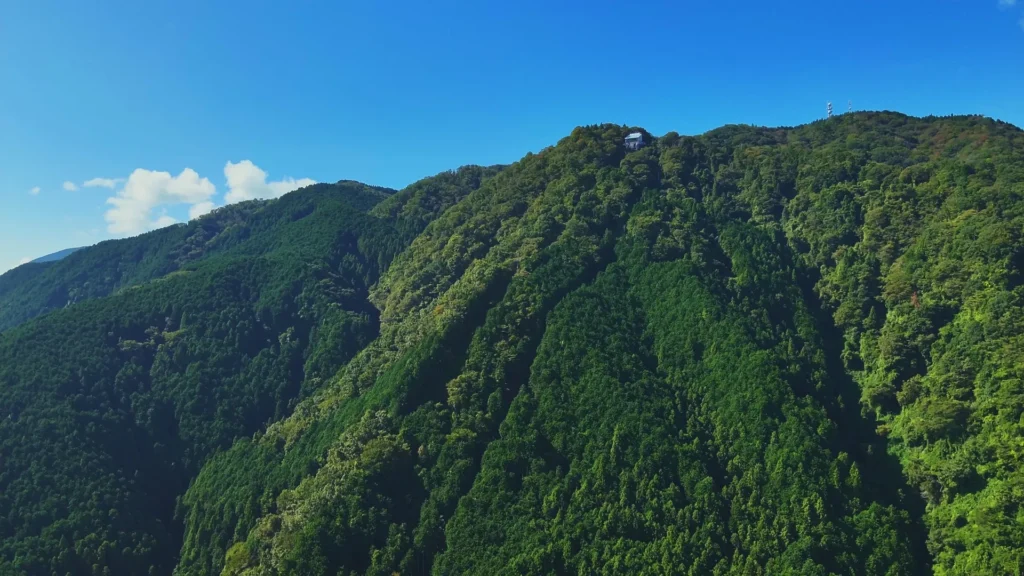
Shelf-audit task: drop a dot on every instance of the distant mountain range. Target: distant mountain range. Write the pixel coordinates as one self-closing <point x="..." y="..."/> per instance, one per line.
<point x="57" y="255"/>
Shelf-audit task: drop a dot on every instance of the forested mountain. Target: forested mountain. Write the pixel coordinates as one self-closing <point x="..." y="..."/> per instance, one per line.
<point x="754" y="351"/>
<point x="110" y="406"/>
<point x="39" y="287"/>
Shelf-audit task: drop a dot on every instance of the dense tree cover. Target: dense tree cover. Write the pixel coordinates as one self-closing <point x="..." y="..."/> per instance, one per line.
<point x="918" y="247"/>
<point x="37" y="288"/>
<point x="421" y="202"/>
<point x="712" y="355"/>
<point x="110" y="406"/>
<point x="755" y="351"/>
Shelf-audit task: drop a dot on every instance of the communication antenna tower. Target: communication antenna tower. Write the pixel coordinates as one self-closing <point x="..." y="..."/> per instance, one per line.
<point x="849" y="106"/>
<point x="829" y="109"/>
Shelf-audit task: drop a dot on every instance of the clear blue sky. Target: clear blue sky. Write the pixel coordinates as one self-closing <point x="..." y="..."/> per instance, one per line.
<point x="389" y="92"/>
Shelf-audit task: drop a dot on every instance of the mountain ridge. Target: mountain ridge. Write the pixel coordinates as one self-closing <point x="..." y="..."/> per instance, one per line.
<point x="58" y="255"/>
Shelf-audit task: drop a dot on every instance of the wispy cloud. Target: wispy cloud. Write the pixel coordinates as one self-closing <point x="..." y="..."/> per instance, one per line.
<point x="1008" y="5"/>
<point x="70" y="186"/>
<point x="87" y="236"/>
<point x="34" y="190"/>
<point x="25" y="260"/>
<point x="103" y="183"/>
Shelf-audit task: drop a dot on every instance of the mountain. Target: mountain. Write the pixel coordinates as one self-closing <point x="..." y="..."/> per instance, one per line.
<point x="111" y="405"/>
<point x="116" y="264"/>
<point x="757" y="350"/>
<point x="60" y="255"/>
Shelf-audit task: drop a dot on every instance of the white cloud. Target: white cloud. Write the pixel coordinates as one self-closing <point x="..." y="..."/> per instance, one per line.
<point x="145" y="190"/>
<point x="24" y="261"/>
<point x="163" y="222"/>
<point x="1007" y="3"/>
<point x="200" y="209"/>
<point x="136" y="206"/>
<point x="35" y="190"/>
<point x="103" y="183"/>
<point x="70" y="186"/>
<point x="246" y="181"/>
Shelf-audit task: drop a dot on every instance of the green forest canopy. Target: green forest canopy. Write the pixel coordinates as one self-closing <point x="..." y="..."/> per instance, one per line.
<point x="754" y="351"/>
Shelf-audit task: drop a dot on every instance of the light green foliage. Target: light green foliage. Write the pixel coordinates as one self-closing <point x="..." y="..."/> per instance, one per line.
<point x="926" y="285"/>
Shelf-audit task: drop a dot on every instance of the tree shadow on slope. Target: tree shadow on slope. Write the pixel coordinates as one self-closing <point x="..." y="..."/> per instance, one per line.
<point x="880" y="470"/>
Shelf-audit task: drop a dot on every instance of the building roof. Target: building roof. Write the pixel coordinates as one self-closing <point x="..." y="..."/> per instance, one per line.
<point x="635" y="136"/>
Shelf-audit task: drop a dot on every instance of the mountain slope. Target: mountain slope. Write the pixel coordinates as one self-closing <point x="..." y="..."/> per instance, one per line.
<point x="102" y="269"/>
<point x="720" y="354"/>
<point x="112" y="404"/>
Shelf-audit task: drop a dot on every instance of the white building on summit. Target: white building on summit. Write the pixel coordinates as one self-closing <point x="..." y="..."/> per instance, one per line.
<point x="634" y="141"/>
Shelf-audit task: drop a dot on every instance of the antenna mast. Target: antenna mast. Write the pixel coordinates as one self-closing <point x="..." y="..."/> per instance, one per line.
<point x="829" y="109"/>
<point x="849" y="106"/>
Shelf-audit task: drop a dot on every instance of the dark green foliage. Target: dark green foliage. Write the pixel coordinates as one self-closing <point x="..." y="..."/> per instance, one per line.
<point x="100" y="270"/>
<point x="684" y="413"/>
<point x="756" y="351"/>
<point x="524" y="462"/>
<point x="111" y="406"/>
<point x="422" y="202"/>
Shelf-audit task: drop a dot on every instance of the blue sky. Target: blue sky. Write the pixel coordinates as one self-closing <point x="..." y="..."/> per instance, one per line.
<point x="185" y="105"/>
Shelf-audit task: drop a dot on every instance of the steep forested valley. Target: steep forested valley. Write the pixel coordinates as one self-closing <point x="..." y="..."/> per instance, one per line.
<point x="752" y="351"/>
